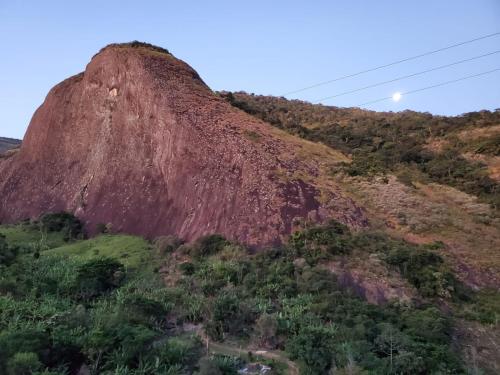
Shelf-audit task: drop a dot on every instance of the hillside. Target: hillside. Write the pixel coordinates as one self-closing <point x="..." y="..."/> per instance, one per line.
<point x="421" y="177"/>
<point x="151" y="226"/>
<point x="119" y="304"/>
<point x="467" y="145"/>
<point x="8" y="144"/>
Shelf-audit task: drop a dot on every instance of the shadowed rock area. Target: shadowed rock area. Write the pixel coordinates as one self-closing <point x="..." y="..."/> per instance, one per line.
<point x="139" y="141"/>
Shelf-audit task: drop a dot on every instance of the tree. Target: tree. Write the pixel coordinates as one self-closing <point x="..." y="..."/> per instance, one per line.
<point x="390" y="342"/>
<point x="313" y="347"/>
<point x="64" y="222"/>
<point x="266" y="328"/>
<point x="98" y="276"/>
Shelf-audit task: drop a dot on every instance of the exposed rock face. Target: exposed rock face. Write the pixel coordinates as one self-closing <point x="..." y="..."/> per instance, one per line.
<point x="138" y="140"/>
<point x="373" y="281"/>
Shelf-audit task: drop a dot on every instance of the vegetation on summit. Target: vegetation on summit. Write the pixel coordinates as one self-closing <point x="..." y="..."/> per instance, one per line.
<point x="137" y="44"/>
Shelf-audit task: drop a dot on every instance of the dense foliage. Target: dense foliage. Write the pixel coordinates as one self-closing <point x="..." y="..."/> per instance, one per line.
<point x="61" y="310"/>
<point x="389" y="142"/>
<point x="60" y="313"/>
<point x="63" y="222"/>
<point x="138" y="44"/>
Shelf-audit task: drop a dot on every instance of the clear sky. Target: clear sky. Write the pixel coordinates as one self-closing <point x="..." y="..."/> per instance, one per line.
<point x="264" y="47"/>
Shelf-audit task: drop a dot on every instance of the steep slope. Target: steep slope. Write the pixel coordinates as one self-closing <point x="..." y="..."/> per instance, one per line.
<point x="8" y="144"/>
<point x="411" y="172"/>
<point x="139" y="141"/>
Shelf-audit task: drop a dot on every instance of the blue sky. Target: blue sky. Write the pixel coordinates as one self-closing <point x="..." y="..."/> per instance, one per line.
<point x="265" y="47"/>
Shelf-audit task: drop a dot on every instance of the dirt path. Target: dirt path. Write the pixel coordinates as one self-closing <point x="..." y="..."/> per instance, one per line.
<point x="220" y="348"/>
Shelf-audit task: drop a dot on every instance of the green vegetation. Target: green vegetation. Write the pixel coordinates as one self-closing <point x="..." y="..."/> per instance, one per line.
<point x="86" y="304"/>
<point x="484" y="307"/>
<point x="73" y="306"/>
<point x="137" y="44"/>
<point x="62" y="222"/>
<point x="389" y="142"/>
<point x="29" y="234"/>
<point x="268" y="298"/>
<point x="131" y="251"/>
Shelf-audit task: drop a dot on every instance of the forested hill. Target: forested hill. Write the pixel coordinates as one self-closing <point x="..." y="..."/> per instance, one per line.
<point x="461" y="151"/>
<point x="8" y="143"/>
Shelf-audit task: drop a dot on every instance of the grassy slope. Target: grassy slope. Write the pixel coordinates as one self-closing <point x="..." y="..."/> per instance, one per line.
<point x="21" y="235"/>
<point x="132" y="251"/>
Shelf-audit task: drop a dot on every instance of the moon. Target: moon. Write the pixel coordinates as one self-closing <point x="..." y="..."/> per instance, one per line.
<point x="396" y="96"/>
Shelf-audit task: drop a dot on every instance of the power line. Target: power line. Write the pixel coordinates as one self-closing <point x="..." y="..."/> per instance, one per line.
<point x="407" y="76"/>
<point x="431" y="87"/>
<point x="392" y="63"/>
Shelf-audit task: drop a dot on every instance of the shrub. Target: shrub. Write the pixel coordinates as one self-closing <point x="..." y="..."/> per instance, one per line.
<point x="97" y="276"/>
<point x="425" y="270"/>
<point x="381" y="143"/>
<point x="187" y="268"/>
<point x="166" y="244"/>
<point x="208" y="245"/>
<point x="7" y="253"/>
<point x="313" y="347"/>
<point x="23" y="364"/>
<point x="321" y="242"/>
<point x="229" y="315"/>
<point x="62" y="222"/>
<point x="266" y="328"/>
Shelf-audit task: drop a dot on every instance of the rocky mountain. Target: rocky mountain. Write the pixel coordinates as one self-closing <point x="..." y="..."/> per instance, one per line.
<point x="138" y="144"/>
<point x="138" y="141"/>
<point x="8" y="144"/>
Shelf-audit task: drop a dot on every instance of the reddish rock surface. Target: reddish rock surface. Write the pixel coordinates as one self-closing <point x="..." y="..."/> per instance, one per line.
<point x="138" y="140"/>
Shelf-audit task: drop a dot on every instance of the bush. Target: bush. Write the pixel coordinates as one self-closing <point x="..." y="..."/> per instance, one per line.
<point x="425" y="270"/>
<point x="321" y="242"/>
<point x="229" y="315"/>
<point x="266" y="328"/>
<point x="313" y="347"/>
<point x="23" y="364"/>
<point x="208" y="245"/>
<point x="7" y="254"/>
<point x="64" y="222"/>
<point x="187" y="268"/>
<point x="166" y="244"/>
<point x="97" y="276"/>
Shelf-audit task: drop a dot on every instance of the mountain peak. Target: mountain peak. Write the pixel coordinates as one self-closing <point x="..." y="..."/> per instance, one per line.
<point x="137" y="45"/>
<point x="139" y="141"/>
